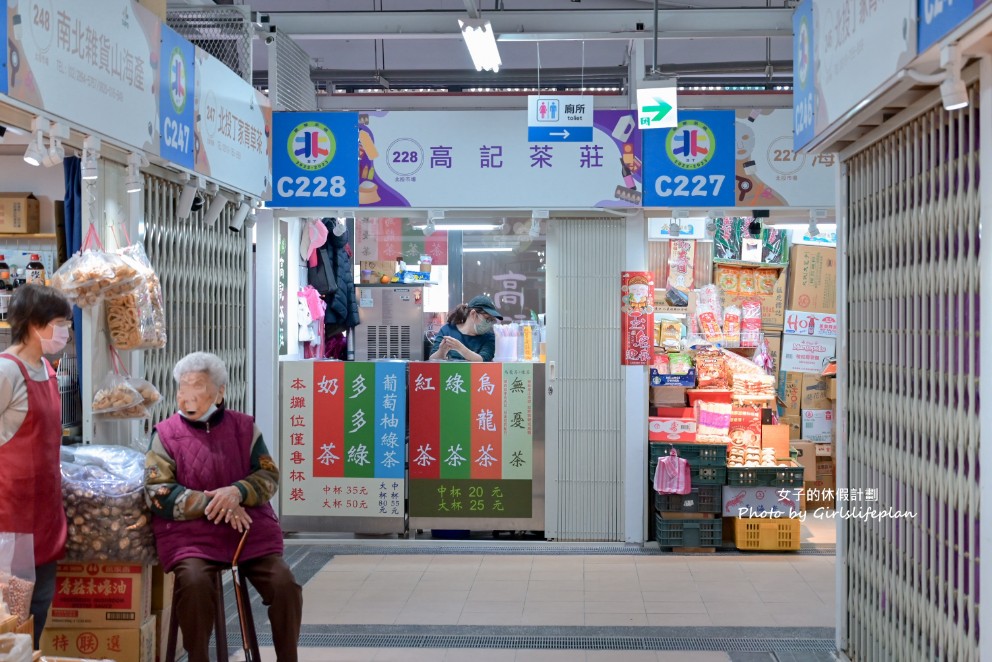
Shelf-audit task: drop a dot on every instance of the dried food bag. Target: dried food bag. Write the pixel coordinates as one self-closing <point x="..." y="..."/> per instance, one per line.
<point x="91" y="274"/>
<point x="766" y="280"/>
<point x="147" y="390"/>
<point x="711" y="369"/>
<point x="103" y="488"/>
<point x="709" y="313"/>
<point x="745" y="426"/>
<point x="17" y="573"/>
<point x="713" y="419"/>
<point x="728" y="279"/>
<point x="680" y="364"/>
<point x="774" y="246"/>
<point x="115" y="394"/>
<point x="732" y="326"/>
<point x="133" y="321"/>
<point x="671" y="335"/>
<point x="750" y="323"/>
<point x="748" y="283"/>
<point x="727" y="239"/>
<point x="737" y="364"/>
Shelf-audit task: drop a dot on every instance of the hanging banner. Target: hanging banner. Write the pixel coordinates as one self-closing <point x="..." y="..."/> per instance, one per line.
<point x="93" y="62"/>
<point x="857" y="47"/>
<point x="471" y="452"/>
<point x="803" y="90"/>
<point x="343" y="438"/>
<point x="314" y="160"/>
<point x="939" y="17"/>
<point x="233" y="128"/>
<point x="469" y="159"/>
<point x="769" y="172"/>
<point x="691" y="165"/>
<point x="176" y="98"/>
<point x="637" y="318"/>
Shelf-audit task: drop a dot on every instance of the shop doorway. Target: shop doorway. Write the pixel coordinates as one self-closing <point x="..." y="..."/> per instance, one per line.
<point x="585" y="421"/>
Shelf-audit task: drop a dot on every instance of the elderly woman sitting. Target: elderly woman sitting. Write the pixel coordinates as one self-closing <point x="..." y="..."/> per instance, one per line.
<point x="208" y="477"/>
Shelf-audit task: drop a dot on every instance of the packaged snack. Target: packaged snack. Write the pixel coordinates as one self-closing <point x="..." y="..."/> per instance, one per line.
<point x="680" y="364"/>
<point x="710" y="313"/>
<point x="137" y="320"/>
<point x="748" y="283"/>
<point x="727" y="239"/>
<point x="712" y="419"/>
<point x="115" y="394"/>
<point x="681" y="268"/>
<point x="728" y="279"/>
<point x="671" y="335"/>
<point x="711" y="369"/>
<point x="775" y="246"/>
<point x="766" y="279"/>
<point x="750" y="323"/>
<point x="745" y="426"/>
<point x="732" y="326"/>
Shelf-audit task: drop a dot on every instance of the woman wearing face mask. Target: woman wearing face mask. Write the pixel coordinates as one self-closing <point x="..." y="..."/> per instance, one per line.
<point x="208" y="477"/>
<point x="468" y="334"/>
<point x="31" y="434"/>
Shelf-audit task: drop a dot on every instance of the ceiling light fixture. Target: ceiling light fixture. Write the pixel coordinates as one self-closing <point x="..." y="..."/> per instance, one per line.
<point x="216" y="205"/>
<point x="429" y="228"/>
<point x="953" y="91"/>
<point x="481" y="42"/>
<point x="188" y="197"/>
<point x="56" y="153"/>
<point x="815" y="215"/>
<point x="238" y="220"/>
<point x="35" y="152"/>
<point x="91" y="158"/>
<point x="135" y="181"/>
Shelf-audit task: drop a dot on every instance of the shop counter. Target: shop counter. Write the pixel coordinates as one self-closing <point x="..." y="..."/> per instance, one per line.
<point x="391" y="446"/>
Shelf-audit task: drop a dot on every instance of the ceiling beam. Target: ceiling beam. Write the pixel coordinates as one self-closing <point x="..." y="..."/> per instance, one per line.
<point x="539" y="25"/>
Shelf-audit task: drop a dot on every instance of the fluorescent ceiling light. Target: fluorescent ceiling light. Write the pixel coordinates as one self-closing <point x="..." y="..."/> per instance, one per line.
<point x="481" y="42"/>
<point x="488" y="249"/>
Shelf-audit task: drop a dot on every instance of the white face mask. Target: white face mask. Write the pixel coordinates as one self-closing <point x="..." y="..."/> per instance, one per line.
<point x="203" y="419"/>
<point x="55" y="344"/>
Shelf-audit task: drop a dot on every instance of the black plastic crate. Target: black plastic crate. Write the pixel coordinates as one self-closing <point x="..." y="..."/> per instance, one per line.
<point x="791" y="476"/>
<point x="699" y="475"/>
<point x="703" y="499"/>
<point x="698" y="455"/>
<point x="688" y="532"/>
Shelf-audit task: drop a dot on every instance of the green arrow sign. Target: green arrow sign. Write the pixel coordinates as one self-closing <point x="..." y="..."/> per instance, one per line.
<point x="660" y="110"/>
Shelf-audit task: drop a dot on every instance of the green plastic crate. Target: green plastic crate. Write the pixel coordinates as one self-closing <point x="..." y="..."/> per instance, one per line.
<point x="765" y="476"/>
<point x="703" y="499"/>
<point x="688" y="532"/>
<point x="698" y="455"/>
<point x="699" y="475"/>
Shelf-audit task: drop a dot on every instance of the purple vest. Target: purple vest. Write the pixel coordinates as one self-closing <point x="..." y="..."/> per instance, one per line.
<point x="207" y="460"/>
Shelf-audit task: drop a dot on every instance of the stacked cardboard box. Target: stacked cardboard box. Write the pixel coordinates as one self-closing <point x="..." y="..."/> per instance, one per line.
<point x="101" y="610"/>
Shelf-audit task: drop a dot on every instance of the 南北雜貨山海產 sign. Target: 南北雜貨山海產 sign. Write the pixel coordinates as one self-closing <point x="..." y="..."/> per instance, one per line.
<point x="315" y="160"/>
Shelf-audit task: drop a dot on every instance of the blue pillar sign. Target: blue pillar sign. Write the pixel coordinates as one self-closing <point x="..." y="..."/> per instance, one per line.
<point x="692" y="164"/>
<point x="938" y="17"/>
<point x="803" y="75"/>
<point x="315" y="159"/>
<point x="176" y="62"/>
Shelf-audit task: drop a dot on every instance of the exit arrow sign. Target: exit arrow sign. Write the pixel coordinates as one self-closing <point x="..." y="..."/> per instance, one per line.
<point x="657" y="108"/>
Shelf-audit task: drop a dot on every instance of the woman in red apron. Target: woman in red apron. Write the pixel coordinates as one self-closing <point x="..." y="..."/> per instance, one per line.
<point x="31" y="434"/>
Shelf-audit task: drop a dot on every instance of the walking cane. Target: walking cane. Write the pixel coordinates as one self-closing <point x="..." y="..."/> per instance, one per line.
<point x="243" y="604"/>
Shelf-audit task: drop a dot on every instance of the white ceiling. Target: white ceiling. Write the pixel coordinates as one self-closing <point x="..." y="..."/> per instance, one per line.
<point x="403" y="60"/>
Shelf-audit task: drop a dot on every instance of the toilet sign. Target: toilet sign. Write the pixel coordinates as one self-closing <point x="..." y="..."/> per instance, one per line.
<point x="657" y="108"/>
<point x="556" y="118"/>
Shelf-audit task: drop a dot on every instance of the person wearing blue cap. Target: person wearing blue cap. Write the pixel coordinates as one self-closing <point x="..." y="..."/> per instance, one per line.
<point x="468" y="334"/>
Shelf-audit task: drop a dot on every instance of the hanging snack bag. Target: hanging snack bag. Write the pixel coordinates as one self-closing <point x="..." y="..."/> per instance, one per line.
<point x="750" y="323"/>
<point x="136" y="319"/>
<point x="115" y="394"/>
<point x="732" y="326"/>
<point x="727" y="240"/>
<point x="709" y="313"/>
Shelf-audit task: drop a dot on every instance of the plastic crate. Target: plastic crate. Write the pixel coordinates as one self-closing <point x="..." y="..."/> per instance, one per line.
<point x="704" y="499"/>
<point x="780" y="534"/>
<point x="791" y="476"/>
<point x="698" y="455"/>
<point x="699" y="475"/>
<point x="688" y="532"/>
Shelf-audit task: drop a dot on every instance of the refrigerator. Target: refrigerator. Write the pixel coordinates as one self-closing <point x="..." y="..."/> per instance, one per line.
<point x="392" y="322"/>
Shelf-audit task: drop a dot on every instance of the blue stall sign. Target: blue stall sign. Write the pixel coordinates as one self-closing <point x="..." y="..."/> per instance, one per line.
<point x="692" y="164"/>
<point x="314" y="159"/>
<point x="803" y="76"/>
<point x="938" y="17"/>
<point x="176" y="107"/>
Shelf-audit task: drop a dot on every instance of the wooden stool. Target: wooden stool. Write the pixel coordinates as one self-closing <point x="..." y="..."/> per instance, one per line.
<point x="220" y="621"/>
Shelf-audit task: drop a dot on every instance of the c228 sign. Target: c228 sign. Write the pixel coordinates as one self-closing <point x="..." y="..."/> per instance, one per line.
<point x="315" y="159"/>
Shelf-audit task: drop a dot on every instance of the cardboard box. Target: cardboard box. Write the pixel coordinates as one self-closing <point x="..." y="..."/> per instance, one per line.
<point x="831" y="388"/>
<point x="777" y="437"/>
<point x="671" y="429"/>
<point x="790" y="387"/>
<point x="772" y="306"/>
<point x="123" y="644"/>
<point x="19" y="213"/>
<point x="806" y="456"/>
<point x="814" y="392"/>
<point x="824" y="450"/>
<point x="101" y="595"/>
<point x="8" y="625"/>
<point x="813" y="279"/>
<point x="163" y="584"/>
<point x="818" y="425"/>
<point x="668" y="396"/>
<point x="752" y="501"/>
<point x="774" y="341"/>
<point x="820" y="325"/>
<point x="687" y="380"/>
<point x="807" y="354"/>
<point x="795" y="423"/>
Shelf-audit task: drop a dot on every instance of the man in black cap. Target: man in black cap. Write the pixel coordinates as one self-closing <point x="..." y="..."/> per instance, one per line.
<point x="468" y="334"/>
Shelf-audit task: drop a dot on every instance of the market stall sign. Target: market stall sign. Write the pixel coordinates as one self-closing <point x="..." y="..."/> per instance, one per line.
<point x="176" y="99"/>
<point x="233" y="127"/>
<point x="637" y="318"/>
<point x="562" y="119"/>
<point x="343" y="438"/>
<point x="467" y="160"/>
<point x="315" y="162"/>
<point x="91" y="62"/>
<point x="691" y="164"/>
<point x="938" y="17"/>
<point x="803" y="90"/>
<point x="657" y="107"/>
<point x="471" y="450"/>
